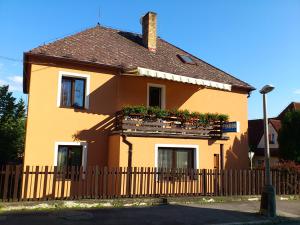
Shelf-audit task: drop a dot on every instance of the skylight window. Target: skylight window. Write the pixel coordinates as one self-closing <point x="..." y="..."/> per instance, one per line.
<point x="187" y="59"/>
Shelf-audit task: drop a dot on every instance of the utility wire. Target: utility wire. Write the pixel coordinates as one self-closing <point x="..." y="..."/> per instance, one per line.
<point x="11" y="59"/>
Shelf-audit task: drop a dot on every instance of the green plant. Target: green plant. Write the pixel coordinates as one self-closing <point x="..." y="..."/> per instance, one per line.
<point x="184" y="115"/>
<point x="173" y="112"/>
<point x="288" y="138"/>
<point x="139" y="109"/>
<point x="211" y="117"/>
<point x="223" y="117"/>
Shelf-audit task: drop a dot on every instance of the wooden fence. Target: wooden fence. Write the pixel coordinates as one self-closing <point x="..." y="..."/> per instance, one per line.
<point x="46" y="182"/>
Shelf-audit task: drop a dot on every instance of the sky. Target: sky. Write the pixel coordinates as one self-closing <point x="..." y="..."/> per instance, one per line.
<point x="257" y="41"/>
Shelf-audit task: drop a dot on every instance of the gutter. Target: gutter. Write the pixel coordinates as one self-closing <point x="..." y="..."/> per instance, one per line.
<point x="129" y="144"/>
<point x="129" y="169"/>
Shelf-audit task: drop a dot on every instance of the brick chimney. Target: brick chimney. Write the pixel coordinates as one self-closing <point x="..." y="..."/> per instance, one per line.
<point x="149" y="31"/>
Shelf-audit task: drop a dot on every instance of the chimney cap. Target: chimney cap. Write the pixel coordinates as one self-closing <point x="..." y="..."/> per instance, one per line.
<point x="149" y="12"/>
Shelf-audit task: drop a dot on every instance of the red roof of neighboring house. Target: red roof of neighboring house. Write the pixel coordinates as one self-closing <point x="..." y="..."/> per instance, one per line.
<point x="256" y="130"/>
<point x="291" y="107"/>
<point x="105" y="46"/>
<point x="276" y="124"/>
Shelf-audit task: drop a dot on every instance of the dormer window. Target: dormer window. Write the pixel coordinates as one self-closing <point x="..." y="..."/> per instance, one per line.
<point x="187" y="59"/>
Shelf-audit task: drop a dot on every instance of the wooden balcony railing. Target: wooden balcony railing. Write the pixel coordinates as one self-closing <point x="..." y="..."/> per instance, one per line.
<point x="140" y="125"/>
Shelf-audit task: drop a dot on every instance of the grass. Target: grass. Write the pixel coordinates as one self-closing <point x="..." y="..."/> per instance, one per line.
<point x="124" y="202"/>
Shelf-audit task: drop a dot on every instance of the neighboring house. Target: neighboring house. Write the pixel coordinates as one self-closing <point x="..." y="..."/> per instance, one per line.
<point x="256" y="136"/>
<point x="78" y="83"/>
<point x="293" y="106"/>
<point x="256" y="140"/>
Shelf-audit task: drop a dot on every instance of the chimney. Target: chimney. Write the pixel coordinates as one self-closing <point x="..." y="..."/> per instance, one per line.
<point x="149" y="31"/>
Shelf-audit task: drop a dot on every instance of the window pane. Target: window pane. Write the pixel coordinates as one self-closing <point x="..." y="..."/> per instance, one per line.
<point x="75" y="156"/>
<point x="155" y="96"/>
<point x="79" y="93"/>
<point x="66" y="92"/>
<point x="182" y="159"/>
<point x="165" y="158"/>
<point x="62" y="156"/>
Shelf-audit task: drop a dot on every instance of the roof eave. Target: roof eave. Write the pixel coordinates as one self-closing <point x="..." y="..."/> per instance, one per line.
<point x="30" y="58"/>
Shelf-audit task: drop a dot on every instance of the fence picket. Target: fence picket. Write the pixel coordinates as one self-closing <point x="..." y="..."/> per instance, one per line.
<point x="43" y="183"/>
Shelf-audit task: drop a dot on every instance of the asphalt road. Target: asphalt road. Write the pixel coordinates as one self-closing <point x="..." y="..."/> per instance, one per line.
<point x="175" y="214"/>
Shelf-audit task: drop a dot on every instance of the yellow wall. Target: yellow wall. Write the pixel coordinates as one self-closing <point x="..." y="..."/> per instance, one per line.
<point x="48" y="123"/>
<point x="143" y="151"/>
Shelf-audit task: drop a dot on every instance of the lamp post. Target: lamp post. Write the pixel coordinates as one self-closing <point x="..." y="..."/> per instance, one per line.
<point x="268" y="202"/>
<point x="250" y="155"/>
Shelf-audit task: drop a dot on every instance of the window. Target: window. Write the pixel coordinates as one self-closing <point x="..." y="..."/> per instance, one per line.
<point x="69" y="155"/>
<point x="272" y="138"/>
<point x="187" y="59"/>
<point x="156" y="96"/>
<point x="72" y="92"/>
<point x="176" y="158"/>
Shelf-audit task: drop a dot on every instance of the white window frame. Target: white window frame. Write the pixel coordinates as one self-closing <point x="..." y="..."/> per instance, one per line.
<point x="84" y="151"/>
<point x="195" y="147"/>
<point x="163" y="93"/>
<point x="75" y="75"/>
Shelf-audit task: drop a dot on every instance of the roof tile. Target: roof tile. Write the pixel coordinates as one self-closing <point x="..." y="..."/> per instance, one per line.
<point x="118" y="48"/>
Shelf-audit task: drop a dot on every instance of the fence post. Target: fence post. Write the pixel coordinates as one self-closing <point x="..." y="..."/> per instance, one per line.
<point x="96" y="181"/>
<point x="6" y="176"/>
<point x="18" y="171"/>
<point x="128" y="181"/>
<point x="204" y="182"/>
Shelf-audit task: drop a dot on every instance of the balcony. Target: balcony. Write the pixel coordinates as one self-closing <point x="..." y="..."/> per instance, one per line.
<point x="168" y="124"/>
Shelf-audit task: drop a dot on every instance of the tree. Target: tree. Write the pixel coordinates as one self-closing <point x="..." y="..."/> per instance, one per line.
<point x="12" y="127"/>
<point x="289" y="137"/>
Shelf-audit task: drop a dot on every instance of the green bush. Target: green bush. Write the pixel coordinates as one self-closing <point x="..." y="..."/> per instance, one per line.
<point x="185" y="115"/>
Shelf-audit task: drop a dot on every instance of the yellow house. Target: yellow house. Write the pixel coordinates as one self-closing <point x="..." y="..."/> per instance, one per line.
<point x="77" y="84"/>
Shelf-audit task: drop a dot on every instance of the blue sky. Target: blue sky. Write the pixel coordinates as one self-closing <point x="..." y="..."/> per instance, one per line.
<point x="257" y="41"/>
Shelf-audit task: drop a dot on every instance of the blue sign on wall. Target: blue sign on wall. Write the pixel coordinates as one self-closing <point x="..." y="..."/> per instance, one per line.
<point x="231" y="127"/>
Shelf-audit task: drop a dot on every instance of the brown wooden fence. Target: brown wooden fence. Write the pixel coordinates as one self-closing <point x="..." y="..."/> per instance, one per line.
<point x="46" y="182"/>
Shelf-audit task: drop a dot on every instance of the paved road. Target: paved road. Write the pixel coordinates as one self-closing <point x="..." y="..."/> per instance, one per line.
<point x="215" y="213"/>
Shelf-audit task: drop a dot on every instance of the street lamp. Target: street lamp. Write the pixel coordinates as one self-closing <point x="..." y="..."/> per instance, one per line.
<point x="268" y="202"/>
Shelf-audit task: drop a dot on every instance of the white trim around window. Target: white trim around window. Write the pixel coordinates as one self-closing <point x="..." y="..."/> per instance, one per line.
<point x="84" y="151"/>
<point x="163" y="93"/>
<point x="76" y="75"/>
<point x="195" y="147"/>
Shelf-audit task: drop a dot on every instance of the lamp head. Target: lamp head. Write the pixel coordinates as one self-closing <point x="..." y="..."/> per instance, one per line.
<point x="266" y="89"/>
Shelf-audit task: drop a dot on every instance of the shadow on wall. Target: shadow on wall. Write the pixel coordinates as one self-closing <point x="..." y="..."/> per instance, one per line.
<point x="107" y="99"/>
<point x="237" y="155"/>
<point x="103" y="102"/>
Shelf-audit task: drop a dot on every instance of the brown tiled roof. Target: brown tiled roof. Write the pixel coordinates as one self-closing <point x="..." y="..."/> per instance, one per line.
<point x="116" y="48"/>
<point x="276" y="124"/>
<point x="291" y="107"/>
<point x="256" y="130"/>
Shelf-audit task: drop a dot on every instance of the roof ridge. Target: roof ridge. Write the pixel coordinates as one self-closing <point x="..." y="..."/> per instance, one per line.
<point x="81" y="31"/>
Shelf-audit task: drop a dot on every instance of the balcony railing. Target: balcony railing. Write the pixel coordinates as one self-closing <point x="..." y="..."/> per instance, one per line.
<point x="140" y="125"/>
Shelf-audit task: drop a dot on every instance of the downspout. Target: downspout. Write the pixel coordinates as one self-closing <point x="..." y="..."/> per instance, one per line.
<point x="129" y="169"/>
